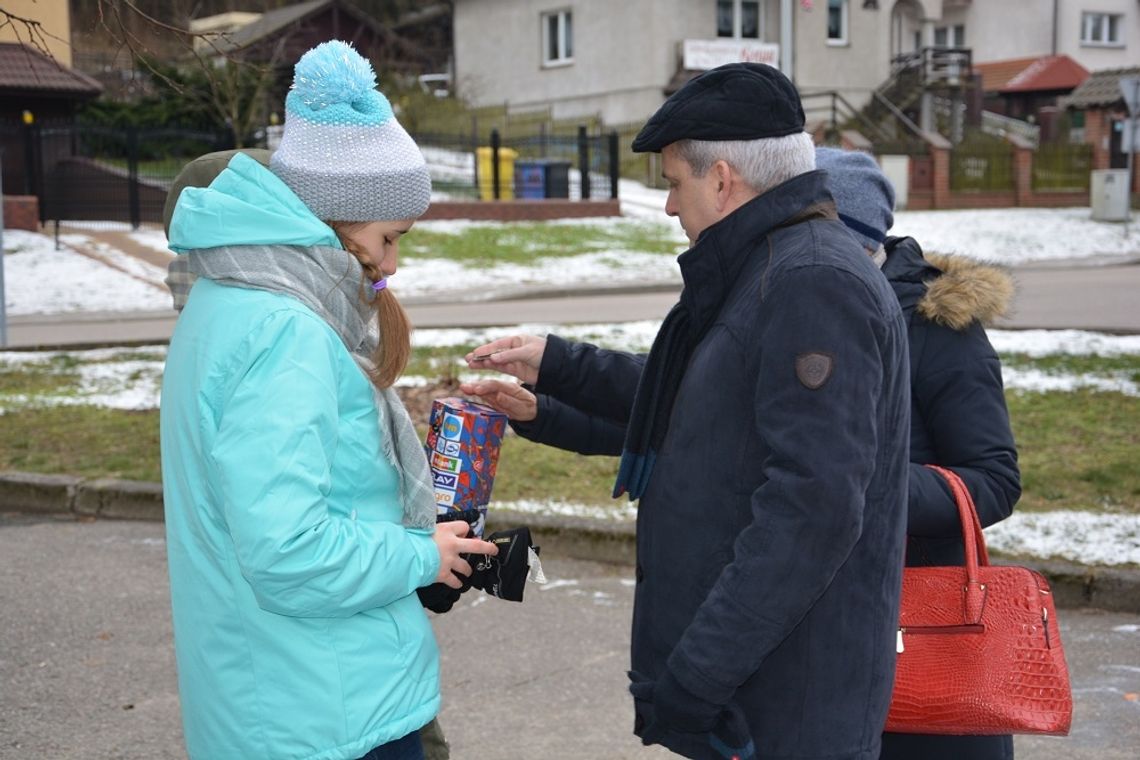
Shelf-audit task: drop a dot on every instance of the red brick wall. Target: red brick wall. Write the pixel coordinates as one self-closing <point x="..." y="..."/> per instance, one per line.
<point x="981" y="199"/>
<point x="941" y="171"/>
<point x="1097" y="126"/>
<point x="1022" y="175"/>
<point x="522" y="210"/>
<point x="21" y="212"/>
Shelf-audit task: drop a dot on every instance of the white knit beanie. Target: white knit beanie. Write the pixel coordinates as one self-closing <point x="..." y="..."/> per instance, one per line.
<point x="342" y="151"/>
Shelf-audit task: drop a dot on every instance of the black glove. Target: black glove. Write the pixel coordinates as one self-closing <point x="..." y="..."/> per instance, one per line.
<point x="439" y="597"/>
<point x="675" y="709"/>
<point x="504" y="575"/>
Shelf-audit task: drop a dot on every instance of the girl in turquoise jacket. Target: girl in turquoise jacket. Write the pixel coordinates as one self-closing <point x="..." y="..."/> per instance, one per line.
<point x="300" y="517"/>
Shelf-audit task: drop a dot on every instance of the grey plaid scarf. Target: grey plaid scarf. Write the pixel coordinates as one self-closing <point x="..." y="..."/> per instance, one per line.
<point x="328" y="281"/>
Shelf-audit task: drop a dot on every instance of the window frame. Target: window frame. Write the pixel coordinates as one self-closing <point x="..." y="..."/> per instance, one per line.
<point x="1110" y="22"/>
<point x="737" y="14"/>
<point x="563" y="19"/>
<point x="844" y="24"/>
<point x="955" y="36"/>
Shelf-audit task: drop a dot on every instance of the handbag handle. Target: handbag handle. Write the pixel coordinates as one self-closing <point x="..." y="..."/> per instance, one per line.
<point x="976" y="553"/>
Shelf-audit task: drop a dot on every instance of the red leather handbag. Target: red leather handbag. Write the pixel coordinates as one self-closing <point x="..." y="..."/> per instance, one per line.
<point x="979" y="646"/>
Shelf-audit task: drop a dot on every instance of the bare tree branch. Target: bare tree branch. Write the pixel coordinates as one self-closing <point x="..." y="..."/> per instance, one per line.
<point x="33" y="31"/>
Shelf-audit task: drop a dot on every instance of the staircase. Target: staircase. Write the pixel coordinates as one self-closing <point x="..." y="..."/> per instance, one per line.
<point x="896" y="106"/>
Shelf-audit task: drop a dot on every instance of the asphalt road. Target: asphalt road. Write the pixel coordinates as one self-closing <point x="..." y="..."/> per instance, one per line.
<point x="1103" y="298"/>
<point x="87" y="668"/>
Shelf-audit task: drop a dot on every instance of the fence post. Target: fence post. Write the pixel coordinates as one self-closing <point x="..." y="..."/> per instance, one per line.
<point x="615" y="165"/>
<point x="1023" y="157"/>
<point x="940" y="167"/>
<point x="584" y="161"/>
<point x="133" y="176"/>
<point x="3" y="313"/>
<point x="29" y="154"/>
<point x="495" y="144"/>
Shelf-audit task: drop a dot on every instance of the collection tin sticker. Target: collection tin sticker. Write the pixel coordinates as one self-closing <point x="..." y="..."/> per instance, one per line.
<point x="445" y="464"/>
<point x="452" y="427"/>
<point x="444" y="480"/>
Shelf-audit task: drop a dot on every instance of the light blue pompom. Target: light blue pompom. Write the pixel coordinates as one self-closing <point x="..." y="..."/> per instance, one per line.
<point x="333" y="72"/>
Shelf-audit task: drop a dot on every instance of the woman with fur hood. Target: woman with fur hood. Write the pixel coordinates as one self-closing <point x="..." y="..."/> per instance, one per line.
<point x="959" y="417"/>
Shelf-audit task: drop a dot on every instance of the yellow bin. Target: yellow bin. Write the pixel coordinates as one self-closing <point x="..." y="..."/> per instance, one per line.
<point x="507" y="158"/>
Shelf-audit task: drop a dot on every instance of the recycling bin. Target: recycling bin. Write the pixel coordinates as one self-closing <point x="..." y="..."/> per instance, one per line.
<point x="542" y="178"/>
<point x="507" y="158"/>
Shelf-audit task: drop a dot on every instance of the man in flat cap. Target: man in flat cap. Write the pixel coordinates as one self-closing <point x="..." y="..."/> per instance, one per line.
<point x="765" y="435"/>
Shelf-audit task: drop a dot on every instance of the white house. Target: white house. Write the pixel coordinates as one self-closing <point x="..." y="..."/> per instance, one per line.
<point x="618" y="58"/>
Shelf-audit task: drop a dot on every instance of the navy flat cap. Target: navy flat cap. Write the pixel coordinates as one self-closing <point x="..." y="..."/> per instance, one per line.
<point x="737" y="101"/>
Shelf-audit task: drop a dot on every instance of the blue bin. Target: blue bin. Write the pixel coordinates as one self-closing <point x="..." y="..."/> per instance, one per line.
<point x="542" y="178"/>
<point x="530" y="179"/>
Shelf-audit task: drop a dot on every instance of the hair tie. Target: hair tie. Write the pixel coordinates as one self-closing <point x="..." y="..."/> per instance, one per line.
<point x="380" y="284"/>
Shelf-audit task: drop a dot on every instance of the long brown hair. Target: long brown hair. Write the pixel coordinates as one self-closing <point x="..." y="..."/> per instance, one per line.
<point x="395" y="347"/>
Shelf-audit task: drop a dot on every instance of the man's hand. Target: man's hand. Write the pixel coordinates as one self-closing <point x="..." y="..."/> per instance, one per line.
<point x="518" y="355"/>
<point x="511" y="399"/>
<point x="675" y="709"/>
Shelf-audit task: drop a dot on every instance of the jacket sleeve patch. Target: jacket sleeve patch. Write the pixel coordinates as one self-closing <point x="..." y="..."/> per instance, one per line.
<point x="813" y="369"/>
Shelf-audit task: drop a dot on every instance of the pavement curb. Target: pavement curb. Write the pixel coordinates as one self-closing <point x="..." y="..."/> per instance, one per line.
<point x="1112" y="589"/>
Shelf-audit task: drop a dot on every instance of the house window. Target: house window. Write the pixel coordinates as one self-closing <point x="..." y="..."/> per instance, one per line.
<point x="950" y="36"/>
<point x="837" y="22"/>
<point x="738" y="19"/>
<point x="557" y="38"/>
<point x="1100" y="29"/>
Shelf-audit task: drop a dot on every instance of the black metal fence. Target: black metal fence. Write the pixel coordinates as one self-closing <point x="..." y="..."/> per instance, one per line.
<point x="100" y="173"/>
<point x="123" y="175"/>
<point x="982" y="164"/>
<point x="1062" y="167"/>
<point x="576" y="167"/>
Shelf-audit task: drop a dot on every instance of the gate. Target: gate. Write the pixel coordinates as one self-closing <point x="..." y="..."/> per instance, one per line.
<point x="106" y="174"/>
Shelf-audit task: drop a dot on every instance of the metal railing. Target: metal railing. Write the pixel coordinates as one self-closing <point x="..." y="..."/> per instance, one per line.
<point x="122" y="175"/>
<point x="981" y="163"/>
<point x="998" y="125"/>
<point x="936" y="66"/>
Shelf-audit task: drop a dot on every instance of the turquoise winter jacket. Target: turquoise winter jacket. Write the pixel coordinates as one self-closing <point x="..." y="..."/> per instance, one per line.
<point x="296" y="627"/>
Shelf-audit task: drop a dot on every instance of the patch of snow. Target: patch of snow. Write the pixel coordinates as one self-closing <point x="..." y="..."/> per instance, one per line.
<point x="1086" y="537"/>
<point x="38" y="279"/>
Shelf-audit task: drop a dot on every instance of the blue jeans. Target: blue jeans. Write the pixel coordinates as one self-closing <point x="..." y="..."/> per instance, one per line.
<point x="408" y="748"/>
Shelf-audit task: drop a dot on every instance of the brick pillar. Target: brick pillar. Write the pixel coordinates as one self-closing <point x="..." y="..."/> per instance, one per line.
<point x="940" y="168"/>
<point x="1022" y="169"/>
<point x="1097" y="125"/>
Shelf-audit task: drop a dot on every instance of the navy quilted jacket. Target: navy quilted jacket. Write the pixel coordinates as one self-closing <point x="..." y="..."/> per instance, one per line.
<point x="770" y="537"/>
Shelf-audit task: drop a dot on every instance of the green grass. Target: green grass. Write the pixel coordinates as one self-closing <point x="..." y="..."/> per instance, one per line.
<point x="87" y="441"/>
<point x="522" y="243"/>
<point x="1126" y="366"/>
<point x="1077" y="450"/>
<point x="529" y="471"/>
<point x="444" y="361"/>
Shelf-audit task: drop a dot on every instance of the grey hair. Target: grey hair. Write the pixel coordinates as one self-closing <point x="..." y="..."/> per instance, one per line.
<point x="762" y="163"/>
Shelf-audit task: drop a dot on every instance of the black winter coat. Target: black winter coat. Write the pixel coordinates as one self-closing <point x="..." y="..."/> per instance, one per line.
<point x="770" y="536"/>
<point x="958" y="420"/>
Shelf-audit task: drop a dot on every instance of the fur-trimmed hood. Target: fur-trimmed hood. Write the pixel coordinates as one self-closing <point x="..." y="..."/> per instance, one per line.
<point x="953" y="291"/>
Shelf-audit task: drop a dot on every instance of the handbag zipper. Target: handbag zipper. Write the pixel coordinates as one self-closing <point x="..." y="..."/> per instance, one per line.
<point x="944" y="629"/>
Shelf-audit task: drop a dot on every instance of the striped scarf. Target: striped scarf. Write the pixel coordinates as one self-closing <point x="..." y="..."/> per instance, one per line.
<point x="328" y="281"/>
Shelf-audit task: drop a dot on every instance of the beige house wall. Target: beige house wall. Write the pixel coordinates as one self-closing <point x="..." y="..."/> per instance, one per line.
<point x="620" y="57"/>
<point x="855" y="67"/>
<point x="626" y="52"/>
<point x="998" y="31"/>
<point x="54" y="18"/>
